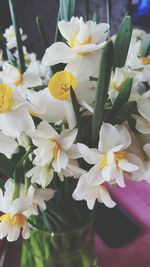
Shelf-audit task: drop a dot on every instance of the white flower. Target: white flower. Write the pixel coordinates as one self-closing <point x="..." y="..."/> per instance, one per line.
<point x="1" y="57"/>
<point x="15" y="115"/>
<point x="41" y="175"/>
<point x="117" y="81"/>
<point x="52" y="148"/>
<point x="10" y="36"/>
<point x="30" y="78"/>
<point x="8" y="145"/>
<point x="110" y="160"/>
<point x="29" y="57"/>
<point x="143" y="121"/>
<point x="89" y="193"/>
<point x="14" y="218"/>
<point x="35" y="198"/>
<point x="82" y="49"/>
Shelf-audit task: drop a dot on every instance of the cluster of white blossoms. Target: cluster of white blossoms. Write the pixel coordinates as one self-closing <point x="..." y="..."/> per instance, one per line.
<point x="45" y="122"/>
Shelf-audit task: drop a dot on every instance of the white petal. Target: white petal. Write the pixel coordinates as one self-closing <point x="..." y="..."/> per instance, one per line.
<point x="14" y="122"/>
<point x="32" y="75"/>
<point x="144" y="108"/>
<point x="90" y="155"/>
<point x="25" y="231"/>
<point x="91" y="203"/>
<point x="94" y="175"/>
<point x="146" y="149"/>
<point x="13" y="233"/>
<point x="127" y="166"/>
<point x="8" y="145"/>
<point x="108" y="137"/>
<point x="105" y="197"/>
<point x="45" y="130"/>
<point x="67" y="138"/>
<point x="142" y="125"/>
<point x="69" y="114"/>
<point x="57" y="53"/>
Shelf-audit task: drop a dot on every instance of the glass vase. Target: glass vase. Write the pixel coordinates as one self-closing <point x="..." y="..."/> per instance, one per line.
<point x="73" y="248"/>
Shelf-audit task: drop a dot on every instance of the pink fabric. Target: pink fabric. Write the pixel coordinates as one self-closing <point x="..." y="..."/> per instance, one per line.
<point x="135" y="199"/>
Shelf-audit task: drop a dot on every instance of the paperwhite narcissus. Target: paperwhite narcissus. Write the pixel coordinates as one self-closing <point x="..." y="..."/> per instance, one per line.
<point x="14" y="218"/>
<point x="10" y="37"/>
<point x="35" y="198"/>
<point x="15" y="115"/>
<point x="88" y="192"/>
<point x="8" y="145"/>
<point x="52" y="148"/>
<point x="110" y="160"/>
<point x="84" y="39"/>
<point x="143" y="121"/>
<point x="30" y="78"/>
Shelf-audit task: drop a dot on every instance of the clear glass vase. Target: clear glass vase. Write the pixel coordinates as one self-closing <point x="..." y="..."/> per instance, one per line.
<point x="62" y="249"/>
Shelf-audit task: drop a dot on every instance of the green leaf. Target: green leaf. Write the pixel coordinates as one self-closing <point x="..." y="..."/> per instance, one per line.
<point x="67" y="9"/>
<point x="18" y="38"/>
<point x="122" y="42"/>
<point x="6" y="166"/>
<point x="102" y="90"/>
<point x="145" y="46"/>
<point x="42" y="32"/>
<point x="86" y="9"/>
<point x="108" y="10"/>
<point x="125" y="112"/>
<point x="121" y="99"/>
<point x="76" y="108"/>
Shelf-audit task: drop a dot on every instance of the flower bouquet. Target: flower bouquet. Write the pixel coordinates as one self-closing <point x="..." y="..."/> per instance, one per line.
<point x="71" y="126"/>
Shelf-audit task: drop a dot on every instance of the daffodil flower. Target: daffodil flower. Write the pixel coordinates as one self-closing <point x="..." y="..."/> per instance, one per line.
<point x="13" y="221"/>
<point x="57" y="97"/>
<point x="89" y="193"/>
<point x="30" y="78"/>
<point x="10" y="37"/>
<point x="52" y="148"/>
<point x="84" y="39"/>
<point x="15" y="115"/>
<point x="111" y="160"/>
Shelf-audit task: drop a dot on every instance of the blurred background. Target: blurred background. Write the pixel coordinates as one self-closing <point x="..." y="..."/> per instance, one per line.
<point x="27" y="10"/>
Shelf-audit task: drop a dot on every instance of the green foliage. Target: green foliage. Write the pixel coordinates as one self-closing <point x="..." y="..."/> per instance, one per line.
<point x="18" y="38"/>
<point x="145" y="49"/>
<point x="67" y="9"/>
<point x="124" y="112"/>
<point x="122" y="42"/>
<point x="121" y="99"/>
<point x="6" y="166"/>
<point x="102" y="90"/>
<point x="76" y="108"/>
<point x="42" y="32"/>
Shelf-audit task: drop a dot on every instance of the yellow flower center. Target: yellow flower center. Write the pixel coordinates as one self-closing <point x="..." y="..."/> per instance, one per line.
<point x="16" y="220"/>
<point x="117" y="156"/>
<point x="55" y="151"/>
<point x="116" y="86"/>
<point x="6" y="94"/>
<point x="120" y="155"/>
<point x="20" y="79"/>
<point x="61" y="83"/>
<point x="73" y="42"/>
<point x="103" y="162"/>
<point x="145" y="60"/>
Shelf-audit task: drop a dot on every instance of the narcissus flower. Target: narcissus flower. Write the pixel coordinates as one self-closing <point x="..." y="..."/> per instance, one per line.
<point x="84" y="39"/>
<point x="14" y="219"/>
<point x="111" y="160"/>
<point x="88" y="192"/>
<point x="30" y="78"/>
<point x="10" y="36"/>
<point x="15" y="115"/>
<point x="52" y="148"/>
